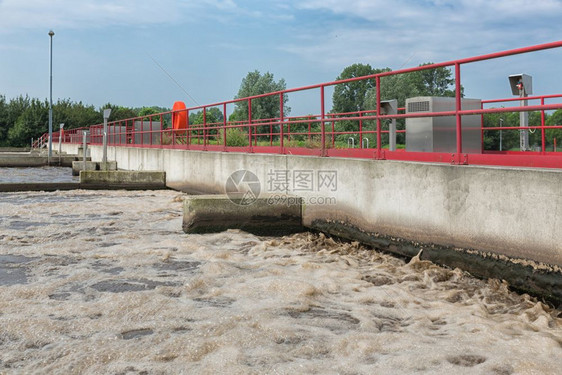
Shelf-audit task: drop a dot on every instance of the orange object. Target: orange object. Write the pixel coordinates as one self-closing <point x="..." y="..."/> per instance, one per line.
<point x="179" y="118"/>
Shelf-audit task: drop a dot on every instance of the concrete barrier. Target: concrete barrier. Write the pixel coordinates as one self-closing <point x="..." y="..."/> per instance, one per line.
<point x="78" y="166"/>
<point x="34" y="159"/>
<point x="264" y="216"/>
<point x="149" y="180"/>
<point x="107" y="166"/>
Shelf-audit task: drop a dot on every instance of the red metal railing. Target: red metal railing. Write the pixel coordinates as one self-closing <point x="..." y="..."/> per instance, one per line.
<point x="324" y="134"/>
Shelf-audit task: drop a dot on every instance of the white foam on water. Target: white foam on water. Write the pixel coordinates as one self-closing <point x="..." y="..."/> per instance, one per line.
<point x="114" y="286"/>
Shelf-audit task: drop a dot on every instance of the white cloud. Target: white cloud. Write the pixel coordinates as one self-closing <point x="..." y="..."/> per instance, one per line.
<point x="387" y="33"/>
<point x="415" y="10"/>
<point x="17" y="14"/>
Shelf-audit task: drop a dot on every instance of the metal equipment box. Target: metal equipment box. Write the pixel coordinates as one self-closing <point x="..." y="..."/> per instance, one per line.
<point x="438" y="134"/>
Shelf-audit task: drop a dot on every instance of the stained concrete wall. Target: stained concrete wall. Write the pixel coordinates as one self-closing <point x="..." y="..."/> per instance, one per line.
<point x="508" y="211"/>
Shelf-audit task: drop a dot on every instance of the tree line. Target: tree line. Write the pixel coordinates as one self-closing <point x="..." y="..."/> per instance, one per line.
<point x="23" y="118"/>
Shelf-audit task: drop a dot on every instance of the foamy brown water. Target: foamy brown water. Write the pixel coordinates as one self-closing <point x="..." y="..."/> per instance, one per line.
<point x="106" y="282"/>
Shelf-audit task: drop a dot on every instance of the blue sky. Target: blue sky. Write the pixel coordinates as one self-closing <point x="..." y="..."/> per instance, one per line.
<point x="103" y="50"/>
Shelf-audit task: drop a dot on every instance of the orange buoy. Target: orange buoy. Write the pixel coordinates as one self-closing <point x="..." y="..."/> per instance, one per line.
<point x="179" y="116"/>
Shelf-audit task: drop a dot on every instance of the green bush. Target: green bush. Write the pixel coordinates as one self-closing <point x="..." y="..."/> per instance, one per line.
<point x="235" y="137"/>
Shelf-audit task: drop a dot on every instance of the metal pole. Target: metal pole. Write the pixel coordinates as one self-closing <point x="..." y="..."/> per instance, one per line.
<point x="281" y="122"/>
<point x="61" y="127"/>
<point x="85" y="148"/>
<point x="104" y="159"/>
<point x="51" y="34"/>
<point x="523" y="122"/>
<point x="501" y="124"/>
<point x="543" y="136"/>
<point x="392" y="135"/>
<point x="323" y="120"/>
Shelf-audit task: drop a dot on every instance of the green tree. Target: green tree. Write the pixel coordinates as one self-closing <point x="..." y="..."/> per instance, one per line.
<point x="352" y="96"/>
<point x="74" y="115"/>
<point x="435" y="82"/>
<point x="12" y="111"/>
<point x="32" y="123"/>
<point x="4" y="127"/>
<point x="118" y="112"/>
<point x="213" y="118"/>
<point x="146" y="111"/>
<point x="550" y="134"/>
<point x="509" y="138"/>
<point x="262" y="108"/>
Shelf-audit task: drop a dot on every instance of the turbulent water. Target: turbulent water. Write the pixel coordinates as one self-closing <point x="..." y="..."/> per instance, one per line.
<point x="44" y="174"/>
<point x="106" y="282"/>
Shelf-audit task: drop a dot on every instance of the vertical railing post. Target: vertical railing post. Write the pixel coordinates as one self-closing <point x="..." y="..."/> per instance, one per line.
<point x="150" y="119"/>
<point x="482" y="129"/>
<point x="323" y="120"/>
<point x="543" y="137"/>
<point x="250" y="125"/>
<point x="141" y="122"/>
<point x="333" y="131"/>
<point x="309" y="129"/>
<point x="187" y="131"/>
<point x="379" y="154"/>
<point x="205" y="128"/>
<point x="161" y="131"/>
<point x="224" y="126"/>
<point x="281" y="122"/>
<point x="360" y="130"/>
<point x="458" y="108"/>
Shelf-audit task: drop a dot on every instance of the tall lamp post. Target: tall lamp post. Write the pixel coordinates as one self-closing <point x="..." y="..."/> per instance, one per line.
<point x="51" y="34"/>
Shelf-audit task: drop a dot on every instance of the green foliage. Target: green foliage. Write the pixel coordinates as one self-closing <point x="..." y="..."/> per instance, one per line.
<point x="23" y="118"/>
<point x="235" y="137"/>
<point x="32" y="123"/>
<point x="262" y="108"/>
<point x="302" y="125"/>
<point x="431" y="82"/>
<point x="118" y="112"/>
<point x="352" y="96"/>
<point x="435" y="82"/>
<point x="550" y="134"/>
<point x="213" y="116"/>
<point x="510" y="138"/>
<point x="74" y="115"/>
<point x="9" y="113"/>
<point x="361" y="95"/>
<point x="146" y="111"/>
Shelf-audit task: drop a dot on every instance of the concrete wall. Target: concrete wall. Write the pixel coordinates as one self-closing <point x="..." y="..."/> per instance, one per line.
<point x="509" y="211"/>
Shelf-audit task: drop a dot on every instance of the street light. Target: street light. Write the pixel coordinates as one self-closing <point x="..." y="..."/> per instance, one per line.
<point x="51" y="34"/>
<point x="106" y="114"/>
